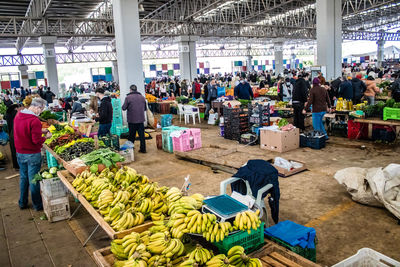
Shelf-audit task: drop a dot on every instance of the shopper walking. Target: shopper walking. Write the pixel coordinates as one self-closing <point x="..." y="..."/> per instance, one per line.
<point x="371" y="91"/>
<point x="49" y="95"/>
<point x="196" y="89"/>
<point x="319" y="99"/>
<point x="105" y="113"/>
<point x="210" y="94"/>
<point x="243" y="90"/>
<point x="28" y="144"/>
<point x="299" y="98"/>
<point x="11" y="112"/>
<point x="135" y="106"/>
<point x="358" y="88"/>
<point x="346" y="89"/>
<point x="287" y="90"/>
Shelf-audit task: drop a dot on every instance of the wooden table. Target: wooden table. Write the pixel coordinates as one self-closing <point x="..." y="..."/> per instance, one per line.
<point x="391" y="123"/>
<point x="66" y="178"/>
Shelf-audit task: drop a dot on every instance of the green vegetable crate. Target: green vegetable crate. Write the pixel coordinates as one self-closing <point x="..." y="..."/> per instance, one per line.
<point x="250" y="242"/>
<point x="391" y="114"/>
<point x="308" y="253"/>
<point x="51" y="160"/>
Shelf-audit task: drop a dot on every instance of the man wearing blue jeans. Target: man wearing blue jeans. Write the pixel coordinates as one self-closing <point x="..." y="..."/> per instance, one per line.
<point x="105" y="113"/>
<point x="320" y="101"/>
<point x="28" y="141"/>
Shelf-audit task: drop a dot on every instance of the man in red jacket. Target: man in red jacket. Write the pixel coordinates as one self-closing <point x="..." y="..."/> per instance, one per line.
<point x="28" y="141"/>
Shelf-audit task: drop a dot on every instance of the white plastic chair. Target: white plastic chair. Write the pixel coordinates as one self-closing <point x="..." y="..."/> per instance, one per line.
<point x="180" y="112"/>
<point x="189" y="111"/>
<point x="259" y="201"/>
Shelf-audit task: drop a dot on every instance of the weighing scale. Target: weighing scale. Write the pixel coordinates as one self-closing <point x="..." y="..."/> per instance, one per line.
<point x="223" y="206"/>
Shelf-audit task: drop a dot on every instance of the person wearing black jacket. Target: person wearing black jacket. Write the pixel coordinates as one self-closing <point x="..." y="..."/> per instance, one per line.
<point x="105" y="114"/>
<point x="359" y="88"/>
<point x="48" y="96"/>
<point x="299" y="98"/>
<point x="335" y="84"/>
<point x="9" y="116"/>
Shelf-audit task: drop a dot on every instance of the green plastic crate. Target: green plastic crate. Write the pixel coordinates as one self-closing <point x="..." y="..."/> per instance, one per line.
<point x="250" y="242"/>
<point x="201" y="115"/>
<point x="51" y="160"/>
<point x="61" y="115"/>
<point x="308" y="253"/>
<point x="391" y="114"/>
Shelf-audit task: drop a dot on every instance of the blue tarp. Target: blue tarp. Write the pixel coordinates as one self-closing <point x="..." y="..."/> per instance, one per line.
<point x="293" y="234"/>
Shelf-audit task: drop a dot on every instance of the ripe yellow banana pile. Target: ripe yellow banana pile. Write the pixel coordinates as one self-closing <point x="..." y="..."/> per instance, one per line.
<point x="220" y="260"/>
<point x="196" y="223"/>
<point x="247" y="220"/>
<point x="200" y="255"/>
<point x="126" y="198"/>
<point x="237" y="257"/>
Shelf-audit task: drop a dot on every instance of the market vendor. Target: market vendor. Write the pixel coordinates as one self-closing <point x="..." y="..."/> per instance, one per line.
<point x="319" y="99"/>
<point x="28" y="144"/>
<point x="64" y="105"/>
<point x="76" y="106"/>
<point x="105" y="114"/>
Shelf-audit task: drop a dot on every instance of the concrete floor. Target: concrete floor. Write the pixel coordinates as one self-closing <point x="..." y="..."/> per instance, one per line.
<point x="310" y="198"/>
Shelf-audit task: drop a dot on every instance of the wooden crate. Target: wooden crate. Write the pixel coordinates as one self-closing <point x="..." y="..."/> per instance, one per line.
<point x="103" y="257"/>
<point x="272" y="254"/>
<point x="67" y="179"/>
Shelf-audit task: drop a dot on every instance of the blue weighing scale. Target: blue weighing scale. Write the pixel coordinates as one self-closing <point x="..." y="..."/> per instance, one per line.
<point x="224" y="206"/>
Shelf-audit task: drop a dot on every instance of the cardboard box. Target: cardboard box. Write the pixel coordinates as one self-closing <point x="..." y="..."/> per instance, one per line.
<point x="285" y="172"/>
<point x="279" y="141"/>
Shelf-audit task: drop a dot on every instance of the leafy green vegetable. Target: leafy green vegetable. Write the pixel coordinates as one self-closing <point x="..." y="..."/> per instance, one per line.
<point x="104" y="156"/>
<point x="94" y="168"/>
<point x="3" y="108"/>
<point x="282" y="122"/>
<point x="390" y="102"/>
<point x="396" y="105"/>
<point x="47" y="114"/>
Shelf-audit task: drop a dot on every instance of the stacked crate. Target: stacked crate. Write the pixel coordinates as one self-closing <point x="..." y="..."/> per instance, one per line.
<point x="55" y="199"/>
<point x="236" y="123"/>
<point x="117" y="126"/>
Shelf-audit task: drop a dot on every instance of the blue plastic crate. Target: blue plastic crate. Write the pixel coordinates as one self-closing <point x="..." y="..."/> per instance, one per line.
<point x="51" y="160"/>
<point x="166" y="120"/>
<point x="312" y="142"/>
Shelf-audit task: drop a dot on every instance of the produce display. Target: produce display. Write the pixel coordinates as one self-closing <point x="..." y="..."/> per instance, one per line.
<point x="104" y="156"/>
<point x="58" y="130"/>
<point x="3" y="108"/>
<point x="47" y="114"/>
<point x="272" y="91"/>
<point x="150" y="98"/>
<point x="45" y="174"/>
<point x="76" y="149"/>
<point x="64" y="139"/>
<point x="281" y="104"/>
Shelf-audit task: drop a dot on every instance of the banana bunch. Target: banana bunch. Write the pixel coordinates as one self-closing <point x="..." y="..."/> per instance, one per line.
<point x="218" y="231"/>
<point x="161" y="244"/>
<point x="199" y="200"/>
<point x="121" y="197"/>
<point x="106" y="197"/>
<point x="131" y="263"/>
<point x="173" y="194"/>
<point x="143" y="205"/>
<point x="78" y="181"/>
<point x="200" y="255"/>
<point x="237" y="257"/>
<point x="97" y="186"/>
<point x="149" y="189"/>
<point x="220" y="260"/>
<point x="118" y="250"/>
<point x="182" y="205"/>
<point x="127" y="220"/>
<point x="247" y="220"/>
<point x="145" y="237"/>
<point x="115" y="213"/>
<point x="159" y="226"/>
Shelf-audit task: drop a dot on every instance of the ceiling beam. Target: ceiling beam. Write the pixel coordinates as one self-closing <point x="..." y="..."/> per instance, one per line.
<point x="36" y="8"/>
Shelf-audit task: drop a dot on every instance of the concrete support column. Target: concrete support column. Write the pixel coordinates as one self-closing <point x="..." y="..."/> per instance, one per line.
<point x="187" y="57"/>
<point x="278" y="52"/>
<point x="381" y="52"/>
<point x="249" y="64"/>
<point x="23" y="70"/>
<point x="115" y="71"/>
<point x="128" y="46"/>
<point x="329" y="37"/>
<point x="50" y="62"/>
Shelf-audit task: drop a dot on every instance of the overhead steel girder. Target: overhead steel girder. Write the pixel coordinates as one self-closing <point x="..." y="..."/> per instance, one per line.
<point x="207" y="29"/>
<point x="38" y="59"/>
<point x="68" y="27"/>
<point x="62" y="27"/>
<point x="370" y="36"/>
<point x="36" y="8"/>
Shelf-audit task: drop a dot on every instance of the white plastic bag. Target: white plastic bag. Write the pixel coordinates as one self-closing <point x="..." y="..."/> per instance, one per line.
<point x="283" y="163"/>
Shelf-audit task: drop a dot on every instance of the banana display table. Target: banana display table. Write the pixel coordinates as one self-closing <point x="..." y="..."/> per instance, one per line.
<point x="67" y="178"/>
